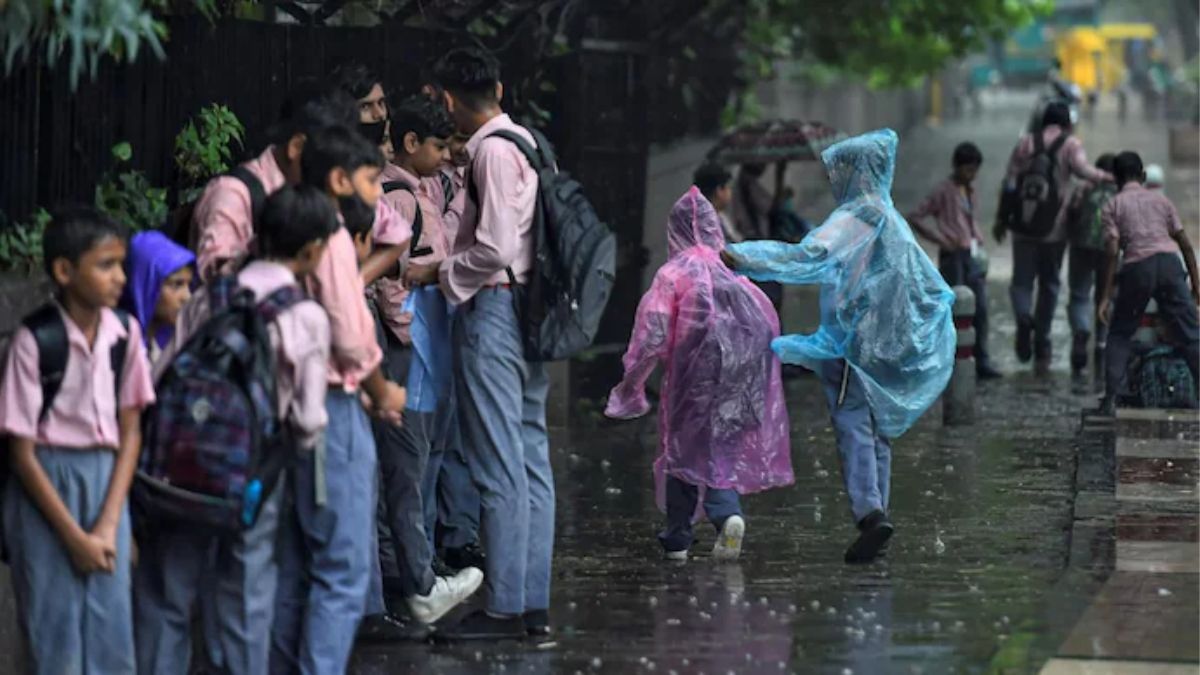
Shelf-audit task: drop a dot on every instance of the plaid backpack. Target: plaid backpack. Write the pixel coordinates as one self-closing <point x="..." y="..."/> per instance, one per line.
<point x="213" y="446"/>
<point x="1159" y="378"/>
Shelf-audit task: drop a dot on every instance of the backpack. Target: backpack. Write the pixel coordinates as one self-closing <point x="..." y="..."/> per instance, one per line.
<point x="180" y="226"/>
<point x="213" y="446"/>
<point x="418" y="220"/>
<point x="574" y="268"/>
<point x="50" y="333"/>
<point x="1036" y="202"/>
<point x="1160" y="378"/>
<point x="1087" y="231"/>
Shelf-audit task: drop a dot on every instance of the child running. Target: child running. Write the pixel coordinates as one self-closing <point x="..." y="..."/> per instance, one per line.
<point x="723" y="421"/>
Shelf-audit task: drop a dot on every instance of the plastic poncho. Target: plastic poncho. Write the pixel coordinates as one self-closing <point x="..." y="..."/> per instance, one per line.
<point x="152" y="258"/>
<point x="884" y="307"/>
<point x="723" y="420"/>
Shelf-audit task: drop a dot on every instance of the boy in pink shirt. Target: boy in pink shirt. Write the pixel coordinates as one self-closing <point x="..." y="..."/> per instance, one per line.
<point x="238" y="576"/>
<point x="75" y="383"/>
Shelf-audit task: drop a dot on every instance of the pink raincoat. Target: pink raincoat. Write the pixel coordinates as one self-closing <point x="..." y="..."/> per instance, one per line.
<point x="722" y="419"/>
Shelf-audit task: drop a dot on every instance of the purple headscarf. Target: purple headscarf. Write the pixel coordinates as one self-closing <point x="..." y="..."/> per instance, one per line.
<point x="152" y="258"/>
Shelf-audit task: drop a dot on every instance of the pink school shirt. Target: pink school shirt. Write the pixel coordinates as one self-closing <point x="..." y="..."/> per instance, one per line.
<point x="84" y="414"/>
<point x="1071" y="160"/>
<point x="1141" y="221"/>
<point x="224" y="218"/>
<point x="391" y="293"/>
<point x="499" y="233"/>
<point x="299" y="336"/>
<point x="954" y="212"/>
<point x="338" y="287"/>
<point x="452" y="215"/>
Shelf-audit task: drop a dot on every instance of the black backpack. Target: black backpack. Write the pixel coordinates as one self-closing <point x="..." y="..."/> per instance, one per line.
<point x="213" y="445"/>
<point x="574" y="265"/>
<point x="1037" y="201"/>
<point x="180" y="226"/>
<point x="50" y="333"/>
<point x="418" y="220"/>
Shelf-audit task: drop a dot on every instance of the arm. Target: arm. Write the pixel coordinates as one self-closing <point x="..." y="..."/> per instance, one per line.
<point x="803" y="263"/>
<point x="391" y="233"/>
<point x="1189" y="259"/>
<point x="224" y="222"/>
<point x="930" y="206"/>
<point x="306" y="411"/>
<point x="383" y="261"/>
<point x="1112" y="250"/>
<point x="1081" y="168"/>
<point x="647" y="346"/>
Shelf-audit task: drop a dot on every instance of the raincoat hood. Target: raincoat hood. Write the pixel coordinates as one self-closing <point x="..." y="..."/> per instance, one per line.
<point x="152" y="258"/>
<point x="694" y="222"/>
<point x="862" y="166"/>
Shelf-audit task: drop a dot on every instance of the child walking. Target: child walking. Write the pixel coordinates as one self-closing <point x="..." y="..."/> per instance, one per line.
<point x="160" y="274"/>
<point x="75" y="383"/>
<point x="723" y="420"/>
<point x="233" y="579"/>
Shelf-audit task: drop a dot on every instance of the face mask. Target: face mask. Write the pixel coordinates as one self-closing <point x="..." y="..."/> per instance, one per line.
<point x="357" y="215"/>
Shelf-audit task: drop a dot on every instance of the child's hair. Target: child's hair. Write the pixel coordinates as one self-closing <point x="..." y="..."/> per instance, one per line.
<point x="421" y="116"/>
<point x="1128" y="167"/>
<point x="1106" y="161"/>
<point x="312" y="106"/>
<point x="355" y="79"/>
<point x="336" y="147"/>
<point x="75" y="230"/>
<point x="1057" y="114"/>
<point x="374" y="132"/>
<point x="710" y="177"/>
<point x="292" y="217"/>
<point x="967" y="154"/>
<point x="471" y="75"/>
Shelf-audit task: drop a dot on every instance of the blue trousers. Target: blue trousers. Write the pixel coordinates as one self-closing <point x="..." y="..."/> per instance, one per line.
<point x="502" y="415"/>
<point x="452" y="503"/>
<point x="326" y="546"/>
<point x="866" y="455"/>
<point x="1041" y="262"/>
<point x="231" y="581"/>
<point x="719" y="505"/>
<point x="71" y="623"/>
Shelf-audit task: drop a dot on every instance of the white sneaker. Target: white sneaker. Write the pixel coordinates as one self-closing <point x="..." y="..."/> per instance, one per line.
<point x="446" y="594"/>
<point x="729" y="542"/>
<point x="676" y="556"/>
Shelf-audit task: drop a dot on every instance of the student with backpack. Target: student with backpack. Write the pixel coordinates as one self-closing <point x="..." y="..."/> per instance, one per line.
<point x="159" y="276"/>
<point x="1144" y="225"/>
<point x="327" y="548"/>
<point x="76" y="379"/>
<point x="1088" y="262"/>
<point x="230" y="574"/>
<point x="1033" y="208"/>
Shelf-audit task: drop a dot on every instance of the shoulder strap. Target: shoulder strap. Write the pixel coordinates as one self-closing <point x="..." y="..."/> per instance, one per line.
<point x="258" y="196"/>
<point x="221" y="291"/>
<point x="418" y="220"/>
<point x="50" y="333"/>
<point x="1039" y="142"/>
<point x="537" y="160"/>
<point x="279" y="301"/>
<point x="117" y="356"/>
<point x="533" y="156"/>
<point x="1058" y="143"/>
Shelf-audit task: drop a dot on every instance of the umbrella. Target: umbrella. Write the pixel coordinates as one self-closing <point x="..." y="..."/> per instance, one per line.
<point x="774" y="141"/>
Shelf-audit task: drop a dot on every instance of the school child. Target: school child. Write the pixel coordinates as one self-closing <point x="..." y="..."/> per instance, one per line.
<point x="233" y="578"/>
<point x="76" y="379"/>
<point x="885" y="348"/>
<point x="715" y="183"/>
<point x="723" y="423"/>
<point x="952" y="205"/>
<point x="1088" y="260"/>
<point x="1144" y="225"/>
<point x="159" y="276"/>
<point x="422" y="129"/>
<point x="326" y="551"/>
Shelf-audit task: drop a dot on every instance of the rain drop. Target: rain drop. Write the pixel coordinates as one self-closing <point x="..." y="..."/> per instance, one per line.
<point x="596" y="662"/>
<point x="937" y="626"/>
<point x="673" y="622"/>
<point x="762" y="601"/>
<point x="939" y="546"/>
<point x="929" y="493"/>
<point x="822" y="473"/>
<point x="571" y="606"/>
<point x="653" y="601"/>
<point x="705" y="616"/>
<point x="847" y="671"/>
<point x="1163" y="593"/>
<point x="692" y="601"/>
<point x="478" y="656"/>
<point x="949" y="468"/>
<point x="831" y="611"/>
<point x="792" y="609"/>
<point x="604" y="464"/>
<point x="614" y="491"/>
<point x="815" y="604"/>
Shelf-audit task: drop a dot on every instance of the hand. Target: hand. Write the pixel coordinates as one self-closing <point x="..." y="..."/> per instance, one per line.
<point x="1196" y="296"/>
<point x="91" y="553"/>
<point x="392" y="402"/>
<point x="999" y="231"/>
<point x="421" y="275"/>
<point x="1104" y="313"/>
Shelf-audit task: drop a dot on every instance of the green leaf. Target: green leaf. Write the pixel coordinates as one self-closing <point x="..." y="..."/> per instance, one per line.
<point x="123" y="151"/>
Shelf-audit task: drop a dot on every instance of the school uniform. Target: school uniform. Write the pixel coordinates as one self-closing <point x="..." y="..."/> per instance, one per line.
<point x="72" y="623"/>
<point x="232" y="579"/>
<point x="326" y="548"/>
<point x="1142" y="223"/>
<point x="502" y="397"/>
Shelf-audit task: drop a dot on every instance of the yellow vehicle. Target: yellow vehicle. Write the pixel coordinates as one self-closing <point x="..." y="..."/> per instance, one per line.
<point x="1096" y="58"/>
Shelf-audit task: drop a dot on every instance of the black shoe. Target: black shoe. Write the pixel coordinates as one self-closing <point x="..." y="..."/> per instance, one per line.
<point x="441" y="569"/>
<point x="875" y="530"/>
<point x="464" y="556"/>
<point x="479" y="625"/>
<point x="390" y="627"/>
<point x="986" y="372"/>
<point x="1024" y="341"/>
<point x="1041" y="367"/>
<point x="537" y="623"/>
<point x="1079" y="352"/>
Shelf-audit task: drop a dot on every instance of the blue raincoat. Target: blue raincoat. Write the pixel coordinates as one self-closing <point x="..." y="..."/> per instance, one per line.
<point x="884" y="307"/>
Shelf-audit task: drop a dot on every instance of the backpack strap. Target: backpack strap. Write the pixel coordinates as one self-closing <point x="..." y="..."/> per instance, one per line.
<point x="1058" y="143"/>
<point x="221" y="291"/>
<point x="258" y="195"/>
<point x="418" y="220"/>
<point x="538" y="158"/>
<point x="279" y="301"/>
<point x="50" y="333"/>
<point x="116" y="357"/>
